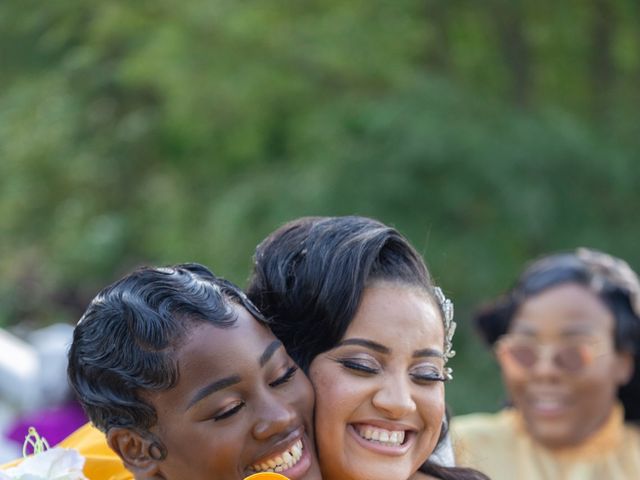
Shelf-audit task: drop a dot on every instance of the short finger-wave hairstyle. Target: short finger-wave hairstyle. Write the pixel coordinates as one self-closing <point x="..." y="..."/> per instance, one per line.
<point x="126" y="341"/>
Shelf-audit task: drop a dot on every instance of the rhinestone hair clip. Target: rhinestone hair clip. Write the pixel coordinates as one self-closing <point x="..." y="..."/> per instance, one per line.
<point x="449" y="328"/>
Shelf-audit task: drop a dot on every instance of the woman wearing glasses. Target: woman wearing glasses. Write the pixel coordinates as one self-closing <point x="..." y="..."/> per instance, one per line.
<point x="567" y="339"/>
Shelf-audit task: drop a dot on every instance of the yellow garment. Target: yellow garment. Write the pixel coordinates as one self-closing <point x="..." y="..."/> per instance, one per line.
<point x="101" y="463"/>
<point x="498" y="445"/>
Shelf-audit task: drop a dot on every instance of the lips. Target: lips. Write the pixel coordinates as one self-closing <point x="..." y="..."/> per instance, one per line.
<point x="281" y="461"/>
<point x="383" y="437"/>
<point x="291" y="456"/>
<point x="548" y="404"/>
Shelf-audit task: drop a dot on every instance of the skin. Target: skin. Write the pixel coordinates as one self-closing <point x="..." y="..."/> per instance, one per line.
<point x="265" y="407"/>
<point x="559" y="409"/>
<point x="382" y="376"/>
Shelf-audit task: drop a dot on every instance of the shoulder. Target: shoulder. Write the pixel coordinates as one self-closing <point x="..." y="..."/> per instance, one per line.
<point x="482" y="439"/>
<point x="632" y="432"/>
<point x="86" y="438"/>
<point x="485" y="425"/>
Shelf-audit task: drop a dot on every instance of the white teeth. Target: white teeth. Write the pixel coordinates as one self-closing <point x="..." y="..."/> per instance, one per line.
<point x="380" y="435"/>
<point x="281" y="462"/>
<point x="548" y="404"/>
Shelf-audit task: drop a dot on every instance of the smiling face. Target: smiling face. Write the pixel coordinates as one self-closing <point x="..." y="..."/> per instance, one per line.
<point x="239" y="406"/>
<point x="560" y="407"/>
<point x="380" y="394"/>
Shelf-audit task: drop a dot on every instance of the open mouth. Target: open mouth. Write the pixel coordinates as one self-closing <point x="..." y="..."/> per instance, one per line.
<point x="282" y="461"/>
<point x="390" y="438"/>
<point x="382" y="440"/>
<point x="548" y="404"/>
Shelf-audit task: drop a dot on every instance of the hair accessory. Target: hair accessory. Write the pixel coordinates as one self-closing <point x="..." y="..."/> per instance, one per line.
<point x="449" y="328"/>
<point x="613" y="270"/>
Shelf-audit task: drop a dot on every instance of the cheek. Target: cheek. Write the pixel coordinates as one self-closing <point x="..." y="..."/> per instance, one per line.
<point x="328" y="392"/>
<point x="188" y="449"/>
<point x="598" y="385"/>
<point x="514" y="381"/>
<point x="302" y="395"/>
<point x="431" y="405"/>
<point x="336" y="398"/>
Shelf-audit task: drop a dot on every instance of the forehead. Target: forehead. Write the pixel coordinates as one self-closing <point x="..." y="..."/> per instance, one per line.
<point x="393" y="313"/>
<point x="565" y="308"/>
<point x="209" y="352"/>
<point x="206" y="342"/>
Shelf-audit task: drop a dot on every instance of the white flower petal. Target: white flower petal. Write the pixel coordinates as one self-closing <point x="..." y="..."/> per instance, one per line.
<point x="53" y="464"/>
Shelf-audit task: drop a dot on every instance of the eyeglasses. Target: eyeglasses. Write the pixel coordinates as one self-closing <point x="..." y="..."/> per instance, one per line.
<point x="571" y="356"/>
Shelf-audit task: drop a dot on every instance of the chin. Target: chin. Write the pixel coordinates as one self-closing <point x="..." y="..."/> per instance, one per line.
<point x="372" y="472"/>
<point x="551" y="439"/>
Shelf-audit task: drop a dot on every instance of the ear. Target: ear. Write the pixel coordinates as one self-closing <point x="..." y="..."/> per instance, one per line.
<point x="624" y="367"/>
<point x="136" y="452"/>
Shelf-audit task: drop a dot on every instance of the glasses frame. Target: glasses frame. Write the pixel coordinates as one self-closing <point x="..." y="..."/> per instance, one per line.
<point x="591" y="347"/>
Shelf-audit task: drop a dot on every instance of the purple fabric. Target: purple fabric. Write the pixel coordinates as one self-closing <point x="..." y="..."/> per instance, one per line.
<point x="54" y="424"/>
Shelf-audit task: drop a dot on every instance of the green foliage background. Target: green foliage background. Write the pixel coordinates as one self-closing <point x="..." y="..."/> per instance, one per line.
<point x="168" y="131"/>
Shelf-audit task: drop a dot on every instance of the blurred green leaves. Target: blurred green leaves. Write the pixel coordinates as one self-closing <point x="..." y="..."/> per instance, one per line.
<point x="173" y="131"/>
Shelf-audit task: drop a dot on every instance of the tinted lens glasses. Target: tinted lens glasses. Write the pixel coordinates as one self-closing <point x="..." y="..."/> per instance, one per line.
<point x="568" y="356"/>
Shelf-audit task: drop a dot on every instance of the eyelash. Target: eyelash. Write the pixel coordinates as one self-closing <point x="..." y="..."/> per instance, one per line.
<point x="288" y="375"/>
<point x="428" y="378"/>
<point x="228" y="413"/>
<point x="358" y="367"/>
<point x="351" y="365"/>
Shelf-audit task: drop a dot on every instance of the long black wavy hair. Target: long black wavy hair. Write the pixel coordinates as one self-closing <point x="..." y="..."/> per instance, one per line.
<point x="309" y="277"/>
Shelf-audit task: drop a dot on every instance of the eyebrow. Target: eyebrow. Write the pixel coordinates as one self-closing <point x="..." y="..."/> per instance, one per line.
<point x="365" y="343"/>
<point x="212" y="388"/>
<point x="269" y="351"/>
<point x="233" y="379"/>
<point x="425" y="352"/>
<point x="428" y="352"/>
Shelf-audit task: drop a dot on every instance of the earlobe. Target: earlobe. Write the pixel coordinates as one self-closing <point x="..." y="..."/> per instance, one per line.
<point x="138" y="453"/>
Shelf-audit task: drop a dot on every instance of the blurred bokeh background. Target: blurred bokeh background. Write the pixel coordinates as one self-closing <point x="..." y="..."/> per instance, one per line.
<point x="156" y="132"/>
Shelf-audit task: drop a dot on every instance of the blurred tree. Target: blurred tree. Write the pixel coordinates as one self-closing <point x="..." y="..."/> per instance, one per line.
<point x="166" y="131"/>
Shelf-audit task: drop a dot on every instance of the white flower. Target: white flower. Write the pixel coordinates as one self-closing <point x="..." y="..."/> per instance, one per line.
<point x="54" y="464"/>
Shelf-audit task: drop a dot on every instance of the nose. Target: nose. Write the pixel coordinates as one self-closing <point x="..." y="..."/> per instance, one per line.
<point x="275" y="415"/>
<point x="394" y="398"/>
<point x="546" y="366"/>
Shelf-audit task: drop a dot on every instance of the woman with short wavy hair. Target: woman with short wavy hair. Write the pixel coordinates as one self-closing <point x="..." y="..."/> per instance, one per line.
<point x="567" y="339"/>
